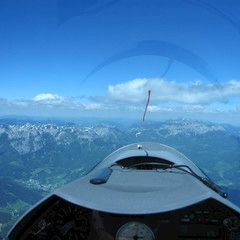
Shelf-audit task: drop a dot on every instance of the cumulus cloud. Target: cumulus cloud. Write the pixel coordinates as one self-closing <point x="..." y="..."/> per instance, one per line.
<point x="48" y="97"/>
<point x="170" y="91"/>
<point x="168" y="97"/>
<point x="95" y="106"/>
<point x="154" y="108"/>
<point x="55" y="100"/>
<point x="132" y="91"/>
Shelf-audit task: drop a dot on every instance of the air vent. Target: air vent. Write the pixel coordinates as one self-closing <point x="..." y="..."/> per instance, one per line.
<point x="144" y="163"/>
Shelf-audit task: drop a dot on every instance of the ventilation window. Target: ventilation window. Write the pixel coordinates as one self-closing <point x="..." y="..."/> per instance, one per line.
<point x="144" y="163"/>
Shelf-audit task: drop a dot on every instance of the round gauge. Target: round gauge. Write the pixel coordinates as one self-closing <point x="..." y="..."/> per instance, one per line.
<point x="135" y="231"/>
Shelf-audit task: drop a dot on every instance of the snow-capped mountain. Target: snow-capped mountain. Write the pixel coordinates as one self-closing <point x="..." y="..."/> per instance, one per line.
<point x="177" y="127"/>
<point x="29" y="138"/>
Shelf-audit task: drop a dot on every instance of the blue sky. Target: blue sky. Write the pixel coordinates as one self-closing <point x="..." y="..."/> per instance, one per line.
<point x="49" y="47"/>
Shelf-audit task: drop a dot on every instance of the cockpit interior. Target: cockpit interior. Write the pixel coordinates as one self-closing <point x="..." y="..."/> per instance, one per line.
<point x="58" y="219"/>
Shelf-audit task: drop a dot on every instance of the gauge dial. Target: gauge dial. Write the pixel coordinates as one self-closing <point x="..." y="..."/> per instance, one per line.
<point x="135" y="231"/>
<point x="63" y="221"/>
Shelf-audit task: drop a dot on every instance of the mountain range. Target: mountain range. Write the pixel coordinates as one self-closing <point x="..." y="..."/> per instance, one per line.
<point x="36" y="157"/>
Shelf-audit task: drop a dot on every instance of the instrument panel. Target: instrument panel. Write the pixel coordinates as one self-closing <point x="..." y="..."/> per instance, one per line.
<point x="62" y="221"/>
<point x="135" y="230"/>
<point x="65" y="221"/>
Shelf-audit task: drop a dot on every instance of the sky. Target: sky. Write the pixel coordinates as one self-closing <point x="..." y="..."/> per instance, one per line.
<point x="78" y="58"/>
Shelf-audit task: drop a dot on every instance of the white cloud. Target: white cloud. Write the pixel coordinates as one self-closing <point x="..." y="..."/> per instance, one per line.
<point x="168" y="97"/>
<point x="151" y="108"/>
<point x="94" y="106"/>
<point x="154" y="108"/>
<point x="170" y="91"/>
<point x="54" y="100"/>
<point x="48" y="98"/>
<point x="131" y="91"/>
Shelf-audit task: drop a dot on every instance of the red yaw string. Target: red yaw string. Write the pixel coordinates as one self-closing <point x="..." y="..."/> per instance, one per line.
<point x="148" y="100"/>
